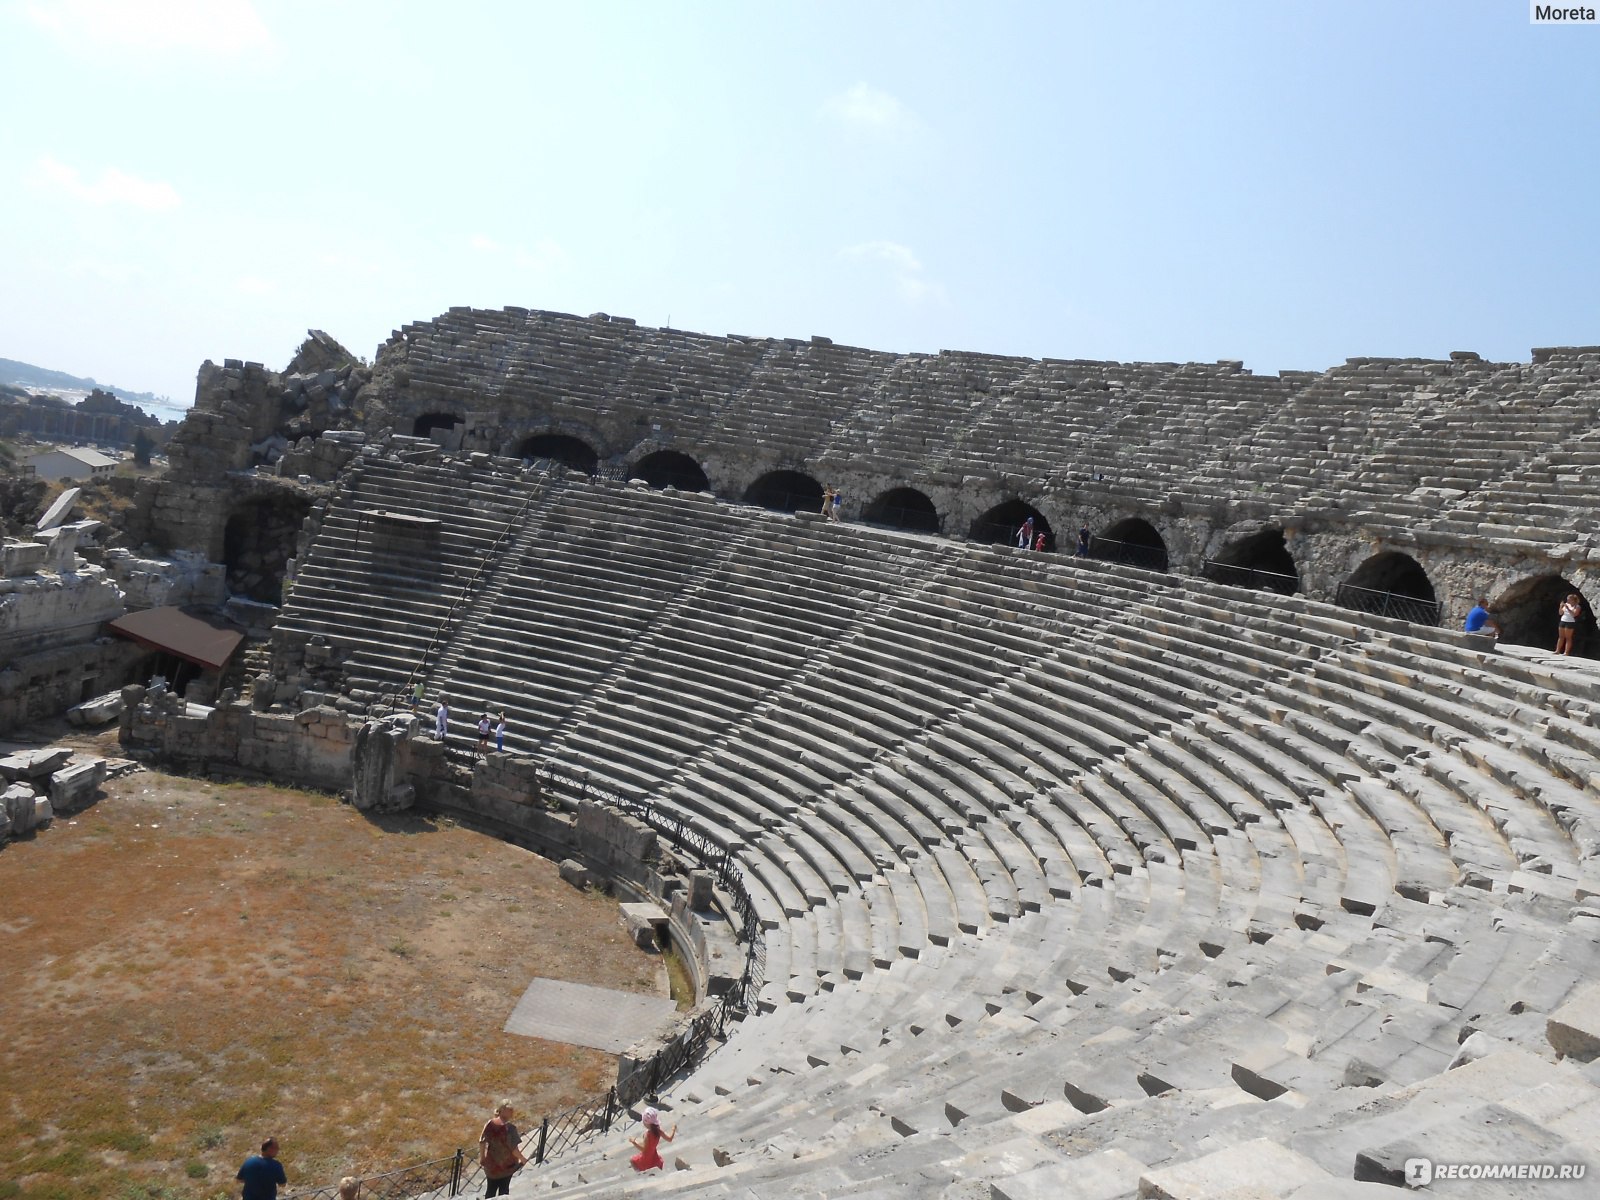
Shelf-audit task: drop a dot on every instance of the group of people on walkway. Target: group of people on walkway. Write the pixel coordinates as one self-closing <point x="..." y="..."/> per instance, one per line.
<point x="499" y="1154"/>
<point x="1031" y="537"/>
<point x="1569" y="614"/>
<point x="489" y="725"/>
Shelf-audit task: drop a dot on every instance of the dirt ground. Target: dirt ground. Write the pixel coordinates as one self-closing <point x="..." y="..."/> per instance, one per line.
<point x="187" y="967"/>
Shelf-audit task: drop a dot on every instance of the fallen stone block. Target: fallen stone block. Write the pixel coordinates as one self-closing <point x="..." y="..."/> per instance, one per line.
<point x="1574" y="1029"/>
<point x="97" y="711"/>
<point x="73" y="787"/>
<point x="647" y="924"/>
<point x="34" y="764"/>
<point x="575" y="873"/>
<point x="18" y="803"/>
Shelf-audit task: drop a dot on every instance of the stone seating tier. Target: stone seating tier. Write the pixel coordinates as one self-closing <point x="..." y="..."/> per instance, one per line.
<point x="1051" y="856"/>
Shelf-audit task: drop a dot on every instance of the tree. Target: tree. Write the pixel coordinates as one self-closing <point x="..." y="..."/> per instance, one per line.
<point x="142" y="445"/>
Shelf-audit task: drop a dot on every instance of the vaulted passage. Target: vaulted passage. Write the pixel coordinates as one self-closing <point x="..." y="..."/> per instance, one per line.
<point x="1529" y="614"/>
<point x="1134" y="541"/>
<point x="1260" y="560"/>
<point x="424" y="425"/>
<point x="671" y="468"/>
<point x="559" y="447"/>
<point x="785" y="491"/>
<point x="1391" y="584"/>
<point x="1002" y="525"/>
<point x="258" y="542"/>
<point x="903" y="508"/>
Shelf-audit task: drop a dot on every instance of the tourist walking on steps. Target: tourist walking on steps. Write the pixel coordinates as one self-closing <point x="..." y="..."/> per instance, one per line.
<point x="1567" y="629"/>
<point x="649" y="1156"/>
<point x="838" y="505"/>
<point x="1025" y="535"/>
<point x="441" y="719"/>
<point x="500" y="1150"/>
<point x="484" y="726"/>
<point x="416" y="696"/>
<point x="262" y="1173"/>
<point x="1481" y="619"/>
<point x="827" y="504"/>
<point x="500" y="735"/>
<point x="1038" y="542"/>
<point x="1083" y="542"/>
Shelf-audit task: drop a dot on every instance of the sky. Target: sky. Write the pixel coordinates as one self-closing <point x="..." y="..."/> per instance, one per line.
<point x="1286" y="183"/>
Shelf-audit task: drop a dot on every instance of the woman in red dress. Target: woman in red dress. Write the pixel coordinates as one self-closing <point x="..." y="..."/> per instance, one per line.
<point x="648" y="1156"/>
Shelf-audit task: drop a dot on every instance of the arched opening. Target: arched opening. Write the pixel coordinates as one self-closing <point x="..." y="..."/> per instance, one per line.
<point x="671" y="468"/>
<point x="1132" y="540"/>
<point x="258" y="542"/>
<point x="424" y="425"/>
<point x="903" y="508"/>
<point x="1530" y="612"/>
<point x="1260" y="560"/>
<point x="785" y="491"/>
<point x="571" y="452"/>
<point x="1002" y="525"/>
<point x="1391" y="584"/>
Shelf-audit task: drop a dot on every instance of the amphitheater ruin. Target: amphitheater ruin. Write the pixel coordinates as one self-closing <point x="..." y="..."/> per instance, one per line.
<point x="1214" y="863"/>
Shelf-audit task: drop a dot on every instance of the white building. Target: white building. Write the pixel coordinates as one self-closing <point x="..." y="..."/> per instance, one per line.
<point x="57" y="464"/>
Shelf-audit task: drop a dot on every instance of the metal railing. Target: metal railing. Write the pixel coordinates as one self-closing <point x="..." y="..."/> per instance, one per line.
<point x="1004" y="533"/>
<point x="1390" y="604"/>
<point x="1132" y="554"/>
<point x="910" y="520"/>
<point x="1250" y="577"/>
<point x="441" y="1177"/>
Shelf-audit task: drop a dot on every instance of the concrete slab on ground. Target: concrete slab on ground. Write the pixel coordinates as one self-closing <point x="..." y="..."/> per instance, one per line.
<point x="580" y="1015"/>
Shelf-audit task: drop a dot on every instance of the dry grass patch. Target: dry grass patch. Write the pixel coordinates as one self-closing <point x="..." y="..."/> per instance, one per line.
<point x="190" y="967"/>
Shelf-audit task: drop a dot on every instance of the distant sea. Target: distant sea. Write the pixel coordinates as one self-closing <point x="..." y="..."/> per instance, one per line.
<point x="42" y="381"/>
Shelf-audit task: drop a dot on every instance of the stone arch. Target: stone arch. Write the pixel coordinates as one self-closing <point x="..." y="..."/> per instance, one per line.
<point x="1391" y="584"/>
<point x="1134" y="541"/>
<point x="425" y="425"/>
<point x="259" y="540"/>
<point x="562" y="448"/>
<point x="671" y="468"/>
<point x="904" y="508"/>
<point x="1527" y="613"/>
<point x="785" y="491"/>
<point x="1000" y="524"/>
<point x="1256" y="560"/>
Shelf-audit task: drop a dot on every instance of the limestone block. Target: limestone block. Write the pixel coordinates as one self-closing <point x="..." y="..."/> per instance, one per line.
<point x="73" y="787"/>
<point x="1574" y="1028"/>
<point x="18" y="802"/>
<point x="1106" y="1175"/>
<point x="34" y="764"/>
<point x="22" y="558"/>
<point x="645" y="922"/>
<point x="1259" y="1168"/>
<point x="575" y="873"/>
<point x="43" y="812"/>
<point x="97" y="711"/>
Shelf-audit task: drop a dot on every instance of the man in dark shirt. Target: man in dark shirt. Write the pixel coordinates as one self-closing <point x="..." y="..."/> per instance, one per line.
<point x="262" y="1173"/>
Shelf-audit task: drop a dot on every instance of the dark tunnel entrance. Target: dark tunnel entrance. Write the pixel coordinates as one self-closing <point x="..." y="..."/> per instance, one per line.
<point x="571" y="452"/>
<point x="903" y="508"/>
<point x="671" y="468"/>
<point x="785" y="491"/>
<point x="424" y="425"/>
<point x="1002" y="525"/>
<point x="1529" y="614"/>
<point x="1260" y="560"/>
<point x="1134" y="541"/>
<point x="1391" y="584"/>
<point x="258" y="542"/>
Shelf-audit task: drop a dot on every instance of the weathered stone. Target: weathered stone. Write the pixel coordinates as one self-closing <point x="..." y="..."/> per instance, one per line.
<point x="73" y="787"/>
<point x="34" y="764"/>
<point x="1574" y="1028"/>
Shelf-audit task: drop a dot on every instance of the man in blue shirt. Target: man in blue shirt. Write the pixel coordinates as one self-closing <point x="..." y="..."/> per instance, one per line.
<point x="262" y="1173"/>
<point x="1480" y="619"/>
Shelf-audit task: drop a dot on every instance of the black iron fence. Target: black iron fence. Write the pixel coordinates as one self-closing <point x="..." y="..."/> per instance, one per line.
<point x="1390" y="604"/>
<point x="1250" y="577"/>
<point x="996" y="533"/>
<point x="441" y="1177"/>
<point x="1132" y="554"/>
<point x="911" y="520"/>
<point x="462" y="1174"/>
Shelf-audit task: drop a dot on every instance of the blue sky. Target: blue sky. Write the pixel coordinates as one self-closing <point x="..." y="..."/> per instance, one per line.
<point x="1287" y="183"/>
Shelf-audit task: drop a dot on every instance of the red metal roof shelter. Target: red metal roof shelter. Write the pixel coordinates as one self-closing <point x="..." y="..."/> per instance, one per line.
<point x="174" y="631"/>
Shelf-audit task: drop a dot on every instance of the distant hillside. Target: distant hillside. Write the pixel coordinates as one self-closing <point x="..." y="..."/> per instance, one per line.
<point x="28" y="375"/>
